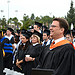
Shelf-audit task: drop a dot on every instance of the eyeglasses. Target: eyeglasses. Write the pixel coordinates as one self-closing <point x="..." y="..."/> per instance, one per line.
<point x="53" y="26"/>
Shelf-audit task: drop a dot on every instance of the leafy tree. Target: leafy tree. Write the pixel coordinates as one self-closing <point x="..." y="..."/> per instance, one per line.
<point x="71" y="15"/>
<point x="15" y="21"/>
<point x="3" y="22"/>
<point x="32" y="16"/>
<point x="37" y="19"/>
<point x="26" y="21"/>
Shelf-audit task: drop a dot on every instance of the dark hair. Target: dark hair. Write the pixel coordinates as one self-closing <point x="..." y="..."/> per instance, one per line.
<point x="24" y="47"/>
<point x="63" y="24"/>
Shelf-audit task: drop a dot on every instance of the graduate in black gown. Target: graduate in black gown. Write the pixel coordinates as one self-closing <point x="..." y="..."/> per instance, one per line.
<point x="20" y="64"/>
<point x="3" y="42"/>
<point x="32" y="53"/>
<point x="61" y="55"/>
<point x="35" y="49"/>
<point x="8" y="49"/>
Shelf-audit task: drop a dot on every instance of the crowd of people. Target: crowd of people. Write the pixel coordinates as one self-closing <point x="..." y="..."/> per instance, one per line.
<point x="39" y="47"/>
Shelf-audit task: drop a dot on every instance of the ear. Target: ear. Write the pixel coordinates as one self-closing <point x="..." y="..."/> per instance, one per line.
<point x="62" y="30"/>
<point x="26" y="39"/>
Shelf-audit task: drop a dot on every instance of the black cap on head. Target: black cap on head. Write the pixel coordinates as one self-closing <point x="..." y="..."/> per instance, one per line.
<point x="38" y="34"/>
<point x="38" y="24"/>
<point x="10" y="29"/>
<point x="44" y="27"/>
<point x="47" y="31"/>
<point x="29" y="33"/>
<point x="23" y="31"/>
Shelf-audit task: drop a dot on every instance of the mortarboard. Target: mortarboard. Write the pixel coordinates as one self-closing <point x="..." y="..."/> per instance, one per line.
<point x="38" y="24"/>
<point x="44" y="27"/>
<point x="38" y="34"/>
<point x="29" y="33"/>
<point x="25" y="33"/>
<point x="47" y="31"/>
<point x="10" y="29"/>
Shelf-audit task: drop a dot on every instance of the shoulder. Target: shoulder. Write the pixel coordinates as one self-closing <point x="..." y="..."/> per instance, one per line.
<point x="38" y="45"/>
<point x="64" y="48"/>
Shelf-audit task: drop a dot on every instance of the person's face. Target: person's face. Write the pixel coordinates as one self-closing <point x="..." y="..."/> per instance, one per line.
<point x="34" y="39"/>
<point x="8" y="32"/>
<point x="32" y="30"/>
<point x="45" y="36"/>
<point x="55" y="30"/>
<point x="23" y="39"/>
<point x="36" y="28"/>
<point x="68" y="37"/>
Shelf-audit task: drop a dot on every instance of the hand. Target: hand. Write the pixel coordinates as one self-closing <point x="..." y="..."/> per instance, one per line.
<point x="13" y="46"/>
<point x="29" y="59"/>
<point x="17" y="62"/>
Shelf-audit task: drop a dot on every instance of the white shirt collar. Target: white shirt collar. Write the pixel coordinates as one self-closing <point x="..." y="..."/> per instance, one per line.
<point x="48" y="42"/>
<point x="60" y="39"/>
<point x="35" y="44"/>
<point x="9" y="37"/>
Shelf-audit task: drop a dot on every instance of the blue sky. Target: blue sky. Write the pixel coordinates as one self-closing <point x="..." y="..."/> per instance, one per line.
<point x="57" y="8"/>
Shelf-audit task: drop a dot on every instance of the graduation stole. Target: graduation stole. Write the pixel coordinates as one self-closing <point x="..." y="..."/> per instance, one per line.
<point x="60" y="43"/>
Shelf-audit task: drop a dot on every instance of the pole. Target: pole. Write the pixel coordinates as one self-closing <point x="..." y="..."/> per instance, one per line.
<point x="8" y="10"/>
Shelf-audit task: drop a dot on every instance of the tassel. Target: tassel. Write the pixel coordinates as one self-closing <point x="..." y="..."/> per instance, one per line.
<point x="2" y="33"/>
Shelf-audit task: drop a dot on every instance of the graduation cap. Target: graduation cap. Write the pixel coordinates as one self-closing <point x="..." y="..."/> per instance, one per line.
<point x="47" y="31"/>
<point x="44" y="27"/>
<point x="23" y="31"/>
<point x="38" y="24"/>
<point x="30" y="33"/>
<point x="10" y="29"/>
<point x="38" y="34"/>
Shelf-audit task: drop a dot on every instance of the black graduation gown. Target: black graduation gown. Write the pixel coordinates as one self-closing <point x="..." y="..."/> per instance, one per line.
<point x="8" y="58"/>
<point x="19" y="56"/>
<point x="1" y="60"/>
<point x="61" y="59"/>
<point x="34" y="52"/>
<point x="12" y="40"/>
<point x="1" y="55"/>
